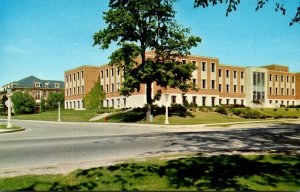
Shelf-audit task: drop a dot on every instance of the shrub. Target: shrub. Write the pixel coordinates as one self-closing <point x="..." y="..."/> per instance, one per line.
<point x="286" y="109"/>
<point x="297" y="109"/>
<point x="23" y="103"/>
<point x="275" y="109"/>
<point x="222" y="109"/>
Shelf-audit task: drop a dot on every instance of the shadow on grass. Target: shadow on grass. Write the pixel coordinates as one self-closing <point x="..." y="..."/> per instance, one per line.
<point x="224" y="172"/>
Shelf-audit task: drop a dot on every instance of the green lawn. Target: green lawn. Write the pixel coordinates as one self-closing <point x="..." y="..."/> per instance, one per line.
<point x="223" y="172"/>
<point x="66" y="115"/>
<point x="193" y="118"/>
<point x="281" y="112"/>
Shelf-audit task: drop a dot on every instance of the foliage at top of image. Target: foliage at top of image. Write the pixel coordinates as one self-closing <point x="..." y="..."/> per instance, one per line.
<point x="233" y="4"/>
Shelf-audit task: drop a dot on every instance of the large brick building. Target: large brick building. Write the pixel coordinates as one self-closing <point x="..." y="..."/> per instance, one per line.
<point x="266" y="86"/>
<point x="78" y="82"/>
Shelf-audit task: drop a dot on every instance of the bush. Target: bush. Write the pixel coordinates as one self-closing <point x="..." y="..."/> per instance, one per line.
<point x="275" y="109"/>
<point x="297" y="109"/>
<point x="205" y="108"/>
<point x="286" y="109"/>
<point x="222" y="109"/>
<point x="23" y="103"/>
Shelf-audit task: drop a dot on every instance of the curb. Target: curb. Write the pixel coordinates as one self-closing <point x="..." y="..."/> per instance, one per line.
<point x="9" y="130"/>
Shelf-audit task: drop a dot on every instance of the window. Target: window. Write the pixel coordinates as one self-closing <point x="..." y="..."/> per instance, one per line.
<point x="47" y="85"/>
<point x="270" y="76"/>
<point x="281" y="78"/>
<point x="282" y="90"/>
<point x="203" y="83"/>
<point x="212" y="84"/>
<point x="270" y="101"/>
<point x="173" y="99"/>
<point x="194" y="82"/>
<point x="194" y="100"/>
<point x="37" y="95"/>
<point x="112" y="87"/>
<point x="37" y="84"/>
<point x="287" y="79"/>
<point x="81" y="74"/>
<point x="203" y="66"/>
<point x="213" y="66"/>
<point x="276" y="78"/>
<point x="77" y="75"/>
<point x="112" y="72"/>
<point x="195" y="63"/>
<point x="234" y="74"/>
<point x="203" y="101"/>
<point x="106" y="72"/>
<point x="118" y="100"/>
<point x="78" y="104"/>
<point x="293" y="79"/>
<point x="107" y="103"/>
<point x="242" y="88"/>
<point x="184" y="100"/>
<point x="70" y="78"/>
<point x="106" y="88"/>
<point x="234" y="101"/>
<point x="220" y="87"/>
<point x="242" y="102"/>
<point x="82" y="89"/>
<point x="102" y="74"/>
<point x="74" y="76"/>
<point x="293" y="103"/>
<point x="66" y="79"/>
<point x="124" y="101"/>
<point x="276" y="101"/>
<point x="293" y="91"/>
<point x="183" y="61"/>
<point x="242" y="74"/>
<point x="112" y="102"/>
<point x="74" y="91"/>
<point x="78" y="90"/>
<point x="57" y="85"/>
<point x="70" y="91"/>
<point x="276" y="91"/>
<point x="227" y="88"/>
<point x="234" y="88"/>
<point x="227" y="101"/>
<point x="270" y="92"/>
<point x="213" y="100"/>
<point x="118" y="70"/>
<point x="67" y="91"/>
<point x="118" y="86"/>
<point x="220" y="101"/>
<point x="220" y="72"/>
<point x="287" y="91"/>
<point x="227" y="73"/>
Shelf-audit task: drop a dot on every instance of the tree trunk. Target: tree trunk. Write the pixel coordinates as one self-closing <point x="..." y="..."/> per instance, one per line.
<point x="149" y="100"/>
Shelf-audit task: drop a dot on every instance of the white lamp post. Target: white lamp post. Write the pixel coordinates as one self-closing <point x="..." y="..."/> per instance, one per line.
<point x="58" y="111"/>
<point x="8" y="104"/>
<point x="167" y="115"/>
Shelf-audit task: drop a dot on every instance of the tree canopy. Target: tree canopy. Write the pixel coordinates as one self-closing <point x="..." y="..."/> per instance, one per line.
<point x="53" y="99"/>
<point x="138" y="26"/>
<point x="23" y="103"/>
<point x="232" y="6"/>
<point x="94" y="99"/>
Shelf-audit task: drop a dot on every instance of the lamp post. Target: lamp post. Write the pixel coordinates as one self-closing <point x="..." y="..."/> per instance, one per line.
<point x="58" y="111"/>
<point x="167" y="115"/>
<point x="8" y="104"/>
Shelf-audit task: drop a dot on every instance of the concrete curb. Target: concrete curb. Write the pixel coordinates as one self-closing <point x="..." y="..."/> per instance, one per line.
<point x="9" y="130"/>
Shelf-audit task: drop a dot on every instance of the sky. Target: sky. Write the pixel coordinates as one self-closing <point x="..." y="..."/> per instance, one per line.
<point x="45" y="38"/>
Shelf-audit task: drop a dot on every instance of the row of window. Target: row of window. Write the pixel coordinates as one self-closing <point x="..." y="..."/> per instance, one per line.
<point x="74" y="104"/>
<point x="38" y="84"/>
<point x="75" y="91"/>
<point x="112" y="88"/>
<point x="281" y="91"/>
<point x="78" y="75"/>
<point x="282" y="102"/>
<point x="282" y="78"/>
<point x="111" y="72"/>
<point x="111" y="103"/>
<point x="204" y="100"/>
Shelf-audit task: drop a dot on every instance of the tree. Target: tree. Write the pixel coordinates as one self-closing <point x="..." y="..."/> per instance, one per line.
<point x="43" y="105"/>
<point x="94" y="99"/>
<point x="23" y="103"/>
<point x="54" y="98"/>
<point x="3" y="106"/>
<point x="232" y="5"/>
<point x="143" y="25"/>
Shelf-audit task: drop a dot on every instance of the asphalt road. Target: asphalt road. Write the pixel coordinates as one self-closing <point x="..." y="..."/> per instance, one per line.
<point x="53" y="144"/>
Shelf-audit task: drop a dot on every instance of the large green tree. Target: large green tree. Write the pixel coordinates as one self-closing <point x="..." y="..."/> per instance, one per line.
<point x="141" y="25"/>
<point x="232" y="6"/>
<point x="94" y="99"/>
<point x="23" y="103"/>
<point x="53" y="99"/>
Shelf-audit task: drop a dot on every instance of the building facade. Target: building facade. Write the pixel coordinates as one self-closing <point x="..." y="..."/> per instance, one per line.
<point x="36" y="87"/>
<point x="217" y="84"/>
<point x="78" y="82"/>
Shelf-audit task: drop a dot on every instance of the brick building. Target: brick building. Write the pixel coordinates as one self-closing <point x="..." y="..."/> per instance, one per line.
<point x="36" y="87"/>
<point x="78" y="82"/>
<point x="266" y="86"/>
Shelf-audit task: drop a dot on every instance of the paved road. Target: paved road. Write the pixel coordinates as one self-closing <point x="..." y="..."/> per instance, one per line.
<point x="56" y="144"/>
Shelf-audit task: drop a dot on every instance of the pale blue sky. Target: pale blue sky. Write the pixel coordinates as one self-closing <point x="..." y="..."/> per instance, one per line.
<point x="46" y="37"/>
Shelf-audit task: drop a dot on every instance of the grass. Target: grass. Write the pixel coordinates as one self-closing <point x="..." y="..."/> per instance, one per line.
<point x="193" y="118"/>
<point x="281" y="112"/>
<point x="66" y="115"/>
<point x="223" y="172"/>
<point x="4" y="127"/>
